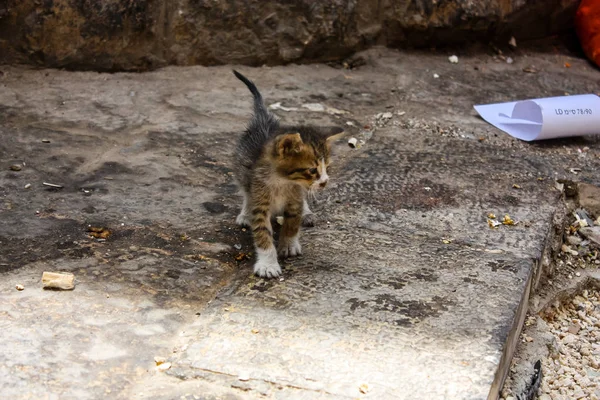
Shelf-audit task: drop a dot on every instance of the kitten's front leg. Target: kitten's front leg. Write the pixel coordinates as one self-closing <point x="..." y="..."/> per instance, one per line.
<point x="289" y="245"/>
<point x="266" y="265"/>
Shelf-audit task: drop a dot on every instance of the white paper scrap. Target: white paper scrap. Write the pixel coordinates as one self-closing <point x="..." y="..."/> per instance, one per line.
<point x="546" y="118"/>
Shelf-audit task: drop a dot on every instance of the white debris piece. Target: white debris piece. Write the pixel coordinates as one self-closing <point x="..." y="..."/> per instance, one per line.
<point x="317" y="107"/>
<point x="453" y="59"/>
<point x="278" y="106"/>
<point x="163" y="366"/>
<point x="58" y="280"/>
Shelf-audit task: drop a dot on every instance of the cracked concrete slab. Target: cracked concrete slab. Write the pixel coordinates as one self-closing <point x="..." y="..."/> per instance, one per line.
<point x="403" y="291"/>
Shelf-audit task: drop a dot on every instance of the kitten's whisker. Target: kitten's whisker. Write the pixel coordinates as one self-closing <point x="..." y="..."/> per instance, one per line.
<point x="311" y="194"/>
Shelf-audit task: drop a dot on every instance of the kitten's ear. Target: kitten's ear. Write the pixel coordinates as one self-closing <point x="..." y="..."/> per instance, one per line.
<point x="332" y="133"/>
<point x="290" y="143"/>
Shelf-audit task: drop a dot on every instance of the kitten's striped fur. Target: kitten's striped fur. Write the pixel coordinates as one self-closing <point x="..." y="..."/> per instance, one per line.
<point x="276" y="167"/>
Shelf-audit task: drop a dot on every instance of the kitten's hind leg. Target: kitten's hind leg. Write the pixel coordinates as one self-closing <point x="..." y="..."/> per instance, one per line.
<point x="289" y="245"/>
<point x="309" y="219"/>
<point x="243" y="219"/>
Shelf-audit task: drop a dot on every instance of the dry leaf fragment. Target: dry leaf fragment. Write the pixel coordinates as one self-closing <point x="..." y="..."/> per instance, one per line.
<point x="99" y="232"/>
<point x="491" y="216"/>
<point x="507" y="220"/>
<point x="242" y="257"/>
<point x="515" y="186"/>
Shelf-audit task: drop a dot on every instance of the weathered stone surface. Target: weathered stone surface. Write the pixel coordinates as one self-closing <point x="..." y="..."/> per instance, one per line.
<point x="406" y="289"/>
<point x="126" y="35"/>
<point x="589" y="198"/>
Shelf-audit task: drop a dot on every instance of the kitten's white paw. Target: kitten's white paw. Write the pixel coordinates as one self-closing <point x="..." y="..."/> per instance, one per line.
<point x="267" y="265"/>
<point x="289" y="247"/>
<point x="243" y="220"/>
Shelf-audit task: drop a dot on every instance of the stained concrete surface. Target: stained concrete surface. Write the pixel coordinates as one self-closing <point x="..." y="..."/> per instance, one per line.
<point x="403" y="289"/>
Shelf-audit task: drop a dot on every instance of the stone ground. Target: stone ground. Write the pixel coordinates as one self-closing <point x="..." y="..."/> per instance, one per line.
<point x="562" y="327"/>
<point x="403" y="291"/>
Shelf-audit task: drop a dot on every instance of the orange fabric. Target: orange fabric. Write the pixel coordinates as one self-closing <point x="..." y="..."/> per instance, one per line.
<point x="587" y="23"/>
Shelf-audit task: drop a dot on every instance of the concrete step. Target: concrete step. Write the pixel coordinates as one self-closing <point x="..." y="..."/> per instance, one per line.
<point x="403" y="290"/>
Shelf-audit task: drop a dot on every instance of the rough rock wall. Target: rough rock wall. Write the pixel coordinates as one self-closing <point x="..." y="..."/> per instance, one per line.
<point x="144" y="34"/>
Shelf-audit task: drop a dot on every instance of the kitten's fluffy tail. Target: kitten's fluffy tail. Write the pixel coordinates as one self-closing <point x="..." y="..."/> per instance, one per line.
<point x="263" y="121"/>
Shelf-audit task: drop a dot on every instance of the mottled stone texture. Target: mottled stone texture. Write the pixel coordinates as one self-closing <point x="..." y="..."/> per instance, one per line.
<point x="144" y="34"/>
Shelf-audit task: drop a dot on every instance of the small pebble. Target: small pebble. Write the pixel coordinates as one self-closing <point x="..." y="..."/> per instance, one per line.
<point x="574" y="240"/>
<point x="436" y="76"/>
<point x="27" y="186"/>
<point x="20" y="287"/>
<point x="364" y="388"/>
<point x="15" y="167"/>
<point x="453" y="59"/>
<point x="160" y="360"/>
<point x="163" y="366"/>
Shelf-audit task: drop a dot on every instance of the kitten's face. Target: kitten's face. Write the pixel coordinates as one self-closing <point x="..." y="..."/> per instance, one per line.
<point x="303" y="162"/>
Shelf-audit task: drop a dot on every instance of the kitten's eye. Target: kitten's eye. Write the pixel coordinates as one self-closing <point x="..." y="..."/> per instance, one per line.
<point x="312" y="171"/>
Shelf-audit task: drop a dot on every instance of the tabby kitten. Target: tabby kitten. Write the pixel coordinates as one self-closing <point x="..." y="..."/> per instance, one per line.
<point x="276" y="167"/>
